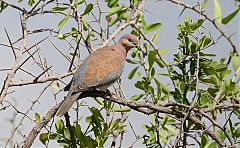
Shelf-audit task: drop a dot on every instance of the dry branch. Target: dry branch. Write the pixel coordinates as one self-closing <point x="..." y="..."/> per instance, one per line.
<point x="42" y="80"/>
<point x="37" y="128"/>
<point x="10" y="75"/>
<point x="132" y="104"/>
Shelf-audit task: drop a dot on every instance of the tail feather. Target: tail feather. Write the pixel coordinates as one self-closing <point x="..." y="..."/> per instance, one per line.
<point x="67" y="103"/>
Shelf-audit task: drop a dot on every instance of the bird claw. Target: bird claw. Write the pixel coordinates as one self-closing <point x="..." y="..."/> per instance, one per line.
<point x="108" y="93"/>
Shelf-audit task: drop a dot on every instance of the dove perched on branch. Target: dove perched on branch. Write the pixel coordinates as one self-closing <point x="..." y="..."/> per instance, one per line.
<point x="98" y="71"/>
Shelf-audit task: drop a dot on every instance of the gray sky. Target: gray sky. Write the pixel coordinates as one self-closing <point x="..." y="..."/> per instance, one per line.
<point x="164" y="12"/>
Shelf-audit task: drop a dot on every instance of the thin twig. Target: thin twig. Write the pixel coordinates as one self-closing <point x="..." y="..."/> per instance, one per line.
<point x="126" y="102"/>
<point x="10" y="44"/>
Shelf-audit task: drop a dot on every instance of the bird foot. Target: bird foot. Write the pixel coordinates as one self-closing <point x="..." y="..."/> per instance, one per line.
<point x="108" y="93"/>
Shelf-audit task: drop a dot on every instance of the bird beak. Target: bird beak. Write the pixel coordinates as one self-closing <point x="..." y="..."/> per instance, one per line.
<point x="138" y="47"/>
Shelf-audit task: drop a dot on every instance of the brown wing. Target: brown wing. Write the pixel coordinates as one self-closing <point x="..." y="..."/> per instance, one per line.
<point x="103" y="67"/>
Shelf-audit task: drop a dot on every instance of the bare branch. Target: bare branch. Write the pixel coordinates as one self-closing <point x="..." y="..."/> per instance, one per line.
<point x="43" y="80"/>
<point x="37" y="128"/>
<point x="18" y="58"/>
<point x="10" y="44"/>
<point x="13" y="6"/>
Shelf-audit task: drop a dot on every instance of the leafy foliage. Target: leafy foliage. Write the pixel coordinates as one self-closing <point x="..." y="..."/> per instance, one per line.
<point x="195" y="83"/>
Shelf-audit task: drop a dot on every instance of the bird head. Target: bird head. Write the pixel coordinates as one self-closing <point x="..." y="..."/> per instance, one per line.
<point x="129" y="41"/>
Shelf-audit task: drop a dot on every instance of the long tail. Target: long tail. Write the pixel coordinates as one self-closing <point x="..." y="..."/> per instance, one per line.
<point x="67" y="103"/>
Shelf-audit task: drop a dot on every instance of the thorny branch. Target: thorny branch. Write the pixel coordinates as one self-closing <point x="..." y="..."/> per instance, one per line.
<point x="11" y="74"/>
<point x="143" y="107"/>
<point x="22" y="119"/>
<point x="37" y="128"/>
<point x="132" y="104"/>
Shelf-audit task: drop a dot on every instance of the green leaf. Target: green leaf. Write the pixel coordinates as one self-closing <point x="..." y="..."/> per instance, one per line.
<point x="151" y="27"/>
<point x="204" y="140"/>
<point x="87" y="9"/>
<point x="123" y="109"/>
<point x="107" y="105"/>
<point x="131" y="61"/>
<point x="187" y="20"/>
<point x="99" y="101"/>
<point x="79" y="2"/>
<point x="221" y="135"/>
<point x="197" y="24"/>
<point x="141" y="86"/>
<point x="217" y="11"/>
<point x="79" y="133"/>
<point x="63" y="143"/>
<point x="153" y="71"/>
<point x="163" y="51"/>
<point x="74" y="32"/>
<point x="59" y="125"/>
<point x="163" y="136"/>
<point x="63" y="21"/>
<point x="54" y="136"/>
<point x="151" y="90"/>
<point x="136" y="97"/>
<point x="85" y="24"/>
<point x="211" y="145"/>
<point x="114" y="124"/>
<point x="139" y="75"/>
<point x="96" y="113"/>
<point x="112" y="3"/>
<point x="43" y="137"/>
<point x="206" y="42"/>
<point x="67" y="133"/>
<point x="61" y="36"/>
<point x="228" y="18"/>
<point x="165" y="89"/>
<point x="151" y="57"/>
<point x="231" y="87"/>
<point x="171" y="121"/>
<point x="3" y="6"/>
<point x="37" y="117"/>
<point x="59" y="9"/>
<point x="159" y="62"/>
<point x="31" y="2"/>
<point x="159" y="88"/>
<point x="235" y="62"/>
<point x="135" y="52"/>
<point x="237" y="133"/>
<point x="227" y="82"/>
<point x="154" y="37"/>
<point x="113" y="21"/>
<point x="171" y="131"/>
<point x="90" y="142"/>
<point x="145" y="127"/>
<point x="88" y="119"/>
<point x="204" y="4"/>
<point x="132" y="73"/>
<point x="113" y="10"/>
<point x="204" y="100"/>
<point x="220" y="67"/>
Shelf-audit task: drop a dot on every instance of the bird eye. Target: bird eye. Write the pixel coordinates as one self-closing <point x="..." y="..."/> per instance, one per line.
<point x="130" y="40"/>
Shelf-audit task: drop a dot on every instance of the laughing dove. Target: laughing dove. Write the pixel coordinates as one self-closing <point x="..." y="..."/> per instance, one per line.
<point x="99" y="70"/>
